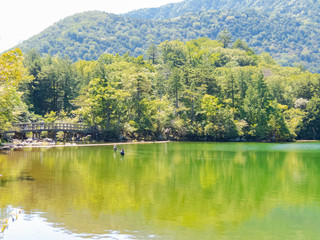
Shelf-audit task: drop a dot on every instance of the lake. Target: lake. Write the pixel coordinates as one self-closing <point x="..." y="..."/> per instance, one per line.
<point x="163" y="191"/>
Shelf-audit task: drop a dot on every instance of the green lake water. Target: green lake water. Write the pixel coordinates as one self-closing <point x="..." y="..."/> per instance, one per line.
<point x="163" y="191"/>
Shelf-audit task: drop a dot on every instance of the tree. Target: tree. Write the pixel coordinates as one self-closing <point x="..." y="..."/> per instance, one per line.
<point x="12" y="74"/>
<point x="256" y="107"/>
<point x="194" y="88"/>
<point x="103" y="105"/>
<point x="152" y="53"/>
<point x="173" y="53"/>
<point x="229" y="88"/>
<point x="278" y="130"/>
<point x="242" y="45"/>
<point x="140" y="89"/>
<point x="175" y="87"/>
<point x="54" y="86"/>
<point x="225" y="38"/>
<point x="310" y="126"/>
<point x="155" y="119"/>
<point x="219" y="121"/>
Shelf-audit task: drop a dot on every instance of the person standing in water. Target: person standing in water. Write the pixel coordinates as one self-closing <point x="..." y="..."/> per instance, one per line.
<point x="122" y="152"/>
<point x="115" y="147"/>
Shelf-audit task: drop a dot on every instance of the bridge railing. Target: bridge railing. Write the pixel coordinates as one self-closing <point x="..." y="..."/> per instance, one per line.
<point x="33" y="127"/>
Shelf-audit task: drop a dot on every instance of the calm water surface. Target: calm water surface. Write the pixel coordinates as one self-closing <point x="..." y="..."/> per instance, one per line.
<point x="164" y="191"/>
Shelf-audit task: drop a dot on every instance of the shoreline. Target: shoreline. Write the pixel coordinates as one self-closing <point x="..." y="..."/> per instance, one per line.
<point x="68" y="144"/>
<point x="16" y="147"/>
<point x="89" y="144"/>
<point x="298" y="141"/>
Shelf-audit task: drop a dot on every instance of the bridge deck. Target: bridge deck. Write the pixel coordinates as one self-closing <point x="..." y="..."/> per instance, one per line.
<point x="50" y="127"/>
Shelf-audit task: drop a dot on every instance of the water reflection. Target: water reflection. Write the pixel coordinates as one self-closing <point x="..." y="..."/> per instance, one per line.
<point x="168" y="191"/>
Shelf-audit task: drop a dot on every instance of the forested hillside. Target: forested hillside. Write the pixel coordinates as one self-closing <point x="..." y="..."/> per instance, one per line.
<point x="288" y="39"/>
<point x="307" y="10"/>
<point x="196" y="90"/>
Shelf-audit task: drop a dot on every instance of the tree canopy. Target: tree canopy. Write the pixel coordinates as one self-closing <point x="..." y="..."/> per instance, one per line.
<point x="12" y="74"/>
<point x="195" y="90"/>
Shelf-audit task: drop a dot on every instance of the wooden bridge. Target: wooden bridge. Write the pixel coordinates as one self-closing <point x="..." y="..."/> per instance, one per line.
<point x="69" y="129"/>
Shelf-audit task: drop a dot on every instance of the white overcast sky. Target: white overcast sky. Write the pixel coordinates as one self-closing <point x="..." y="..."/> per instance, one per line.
<point x="21" y="19"/>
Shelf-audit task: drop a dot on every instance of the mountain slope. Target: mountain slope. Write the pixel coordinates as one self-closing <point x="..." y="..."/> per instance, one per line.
<point x="88" y="35"/>
<point x="300" y="9"/>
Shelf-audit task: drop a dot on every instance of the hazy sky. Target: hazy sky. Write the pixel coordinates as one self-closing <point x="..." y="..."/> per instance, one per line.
<point x="21" y="19"/>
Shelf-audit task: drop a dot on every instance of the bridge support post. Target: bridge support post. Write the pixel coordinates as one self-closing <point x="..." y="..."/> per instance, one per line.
<point x="36" y="135"/>
<point x="52" y="135"/>
<point x="65" y="135"/>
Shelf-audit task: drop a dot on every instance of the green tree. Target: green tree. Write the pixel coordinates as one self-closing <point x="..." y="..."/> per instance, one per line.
<point x="310" y="125"/>
<point x="104" y="106"/>
<point x="256" y="107"/>
<point x="194" y="88"/>
<point x="173" y="53"/>
<point x="175" y="87"/>
<point x="54" y="85"/>
<point x="152" y="53"/>
<point x="278" y="130"/>
<point x="242" y="45"/>
<point x="225" y="38"/>
<point x="12" y="74"/>
<point x="140" y="89"/>
<point x="219" y="121"/>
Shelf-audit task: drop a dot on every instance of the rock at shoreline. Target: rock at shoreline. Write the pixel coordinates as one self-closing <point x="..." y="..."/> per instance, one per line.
<point x="6" y="147"/>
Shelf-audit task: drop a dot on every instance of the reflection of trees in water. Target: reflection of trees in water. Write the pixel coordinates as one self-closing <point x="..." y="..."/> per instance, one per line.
<point x="197" y="186"/>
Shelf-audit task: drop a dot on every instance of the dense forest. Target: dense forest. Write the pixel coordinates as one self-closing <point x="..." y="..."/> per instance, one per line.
<point x="307" y="10"/>
<point x="288" y="30"/>
<point x="196" y="90"/>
